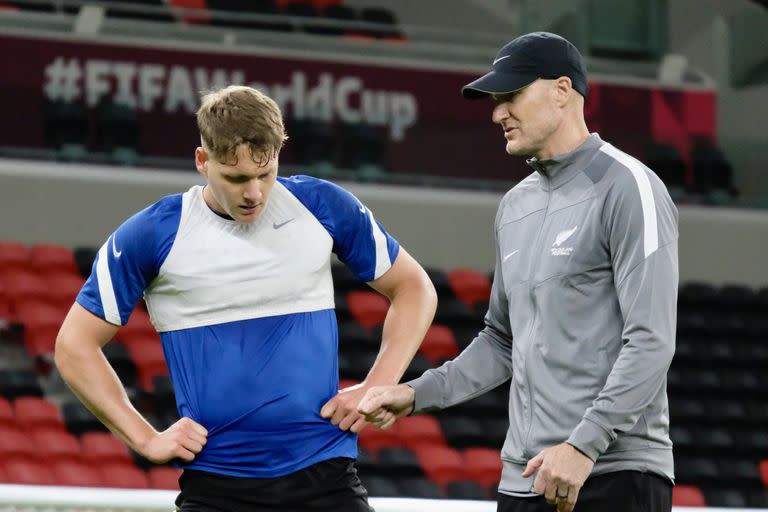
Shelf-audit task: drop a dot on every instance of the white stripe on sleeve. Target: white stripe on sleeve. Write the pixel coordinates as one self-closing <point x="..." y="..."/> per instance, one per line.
<point x="106" y="292"/>
<point x="382" y="254"/>
<point x="650" y="228"/>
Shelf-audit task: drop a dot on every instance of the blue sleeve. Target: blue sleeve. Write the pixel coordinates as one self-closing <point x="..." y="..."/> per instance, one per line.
<point x="129" y="259"/>
<point x="359" y="241"/>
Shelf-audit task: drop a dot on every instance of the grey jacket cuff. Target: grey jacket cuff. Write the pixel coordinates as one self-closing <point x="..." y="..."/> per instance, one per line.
<point x="427" y="393"/>
<point x="590" y="438"/>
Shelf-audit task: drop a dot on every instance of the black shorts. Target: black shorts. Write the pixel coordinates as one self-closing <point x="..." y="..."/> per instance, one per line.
<point x="331" y="485"/>
<point x="624" y="491"/>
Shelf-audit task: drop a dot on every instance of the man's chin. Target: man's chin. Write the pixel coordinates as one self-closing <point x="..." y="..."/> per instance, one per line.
<point x="515" y="150"/>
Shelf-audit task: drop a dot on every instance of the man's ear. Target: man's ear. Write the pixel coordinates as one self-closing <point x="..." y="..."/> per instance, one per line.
<point x="563" y="90"/>
<point x="201" y="161"/>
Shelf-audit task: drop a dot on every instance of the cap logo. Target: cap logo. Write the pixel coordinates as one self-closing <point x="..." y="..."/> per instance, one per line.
<point x="500" y="58"/>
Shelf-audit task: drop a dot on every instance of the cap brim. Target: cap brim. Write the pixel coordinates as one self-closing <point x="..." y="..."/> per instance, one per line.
<point x="496" y="82"/>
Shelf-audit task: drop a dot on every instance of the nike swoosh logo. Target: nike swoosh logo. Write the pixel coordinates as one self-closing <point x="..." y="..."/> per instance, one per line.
<point x="278" y="226"/>
<point x="115" y="252"/>
<point x="501" y="58"/>
<point x="511" y="254"/>
<point x="361" y="208"/>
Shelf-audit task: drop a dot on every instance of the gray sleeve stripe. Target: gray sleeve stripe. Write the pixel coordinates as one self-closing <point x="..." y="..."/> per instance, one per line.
<point x="650" y="228"/>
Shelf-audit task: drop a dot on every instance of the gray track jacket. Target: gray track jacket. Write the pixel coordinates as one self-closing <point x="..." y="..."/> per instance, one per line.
<point x="586" y="286"/>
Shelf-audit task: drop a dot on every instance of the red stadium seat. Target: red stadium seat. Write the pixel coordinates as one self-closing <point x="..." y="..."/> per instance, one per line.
<point x="104" y="448"/>
<point x="470" y="286"/>
<point x="35" y="413"/>
<point x="420" y="430"/>
<point x="764" y="472"/>
<point x="368" y="308"/>
<point x="34" y="313"/>
<point x="13" y="256"/>
<point x="441" y="463"/>
<point x="138" y="327"/>
<point x="46" y="258"/>
<point x="126" y="476"/>
<point x="40" y="339"/>
<point x="6" y="311"/>
<point x="63" y="287"/>
<point x="347" y="383"/>
<point x="16" y="444"/>
<point x="483" y="465"/>
<point x="374" y="439"/>
<point x="6" y="413"/>
<point x="201" y="16"/>
<point x="687" y="496"/>
<point x="29" y="472"/>
<point x="164" y="478"/>
<point x="147" y="354"/>
<point x="439" y="345"/>
<point x="21" y="285"/>
<point x="322" y="4"/>
<point x="75" y="473"/>
<point x="57" y="445"/>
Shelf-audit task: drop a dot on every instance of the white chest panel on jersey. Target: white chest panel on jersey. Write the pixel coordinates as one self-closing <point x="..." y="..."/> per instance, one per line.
<point x="219" y="270"/>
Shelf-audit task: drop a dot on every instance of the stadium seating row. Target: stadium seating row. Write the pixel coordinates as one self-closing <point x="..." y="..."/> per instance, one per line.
<point x="279" y="15"/>
<point x="718" y="399"/>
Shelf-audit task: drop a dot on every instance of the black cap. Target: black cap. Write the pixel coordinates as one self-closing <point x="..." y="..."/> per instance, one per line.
<point x="527" y="58"/>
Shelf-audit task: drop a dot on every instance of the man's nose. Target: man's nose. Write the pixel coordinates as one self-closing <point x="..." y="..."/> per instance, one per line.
<point x="500" y="112"/>
<point x="252" y="191"/>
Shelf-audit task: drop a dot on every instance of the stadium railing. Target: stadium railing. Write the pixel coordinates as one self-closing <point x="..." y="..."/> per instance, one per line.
<point x="31" y="498"/>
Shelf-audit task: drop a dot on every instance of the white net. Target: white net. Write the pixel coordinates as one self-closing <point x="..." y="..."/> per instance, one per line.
<point x="30" y="498"/>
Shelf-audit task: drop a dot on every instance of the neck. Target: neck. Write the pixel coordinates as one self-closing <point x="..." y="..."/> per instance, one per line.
<point x="214" y="206"/>
<point x="565" y="139"/>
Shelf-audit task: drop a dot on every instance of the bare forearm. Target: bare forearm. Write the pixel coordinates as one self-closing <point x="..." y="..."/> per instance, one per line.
<point x="410" y="315"/>
<point x="91" y="378"/>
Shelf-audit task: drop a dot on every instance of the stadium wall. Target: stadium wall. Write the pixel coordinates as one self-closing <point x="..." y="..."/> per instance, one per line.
<point x="80" y="205"/>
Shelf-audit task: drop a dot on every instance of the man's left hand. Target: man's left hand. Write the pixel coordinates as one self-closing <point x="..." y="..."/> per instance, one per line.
<point x="562" y="470"/>
<point x="342" y="409"/>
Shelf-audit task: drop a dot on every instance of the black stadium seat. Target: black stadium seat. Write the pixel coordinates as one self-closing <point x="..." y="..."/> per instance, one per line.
<point x="465" y="490"/>
<point x="440" y="282"/>
<point x="417" y="487"/>
<point x="228" y="11"/>
<point x="463" y="431"/>
<point x="381" y="487"/>
<point x="339" y="13"/>
<point x="399" y="462"/>
<point x="118" y="356"/>
<point x="383" y="17"/>
<point x="725" y="498"/>
<point x="84" y="257"/>
<point x="15" y="383"/>
<point x="79" y="419"/>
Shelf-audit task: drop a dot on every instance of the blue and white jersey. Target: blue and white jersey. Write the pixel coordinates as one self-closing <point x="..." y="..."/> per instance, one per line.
<point x="245" y="314"/>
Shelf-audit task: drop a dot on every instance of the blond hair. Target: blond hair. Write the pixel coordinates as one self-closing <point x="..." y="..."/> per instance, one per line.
<point x="238" y="115"/>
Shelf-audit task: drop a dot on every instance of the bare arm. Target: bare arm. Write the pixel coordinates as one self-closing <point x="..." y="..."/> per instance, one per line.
<point x="91" y="378"/>
<point x="413" y="301"/>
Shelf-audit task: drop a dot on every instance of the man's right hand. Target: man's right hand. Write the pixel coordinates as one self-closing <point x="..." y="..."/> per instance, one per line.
<point x="183" y="440"/>
<point x="383" y="405"/>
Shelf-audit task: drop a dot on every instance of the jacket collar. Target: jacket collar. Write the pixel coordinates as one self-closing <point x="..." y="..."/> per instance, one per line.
<point x="558" y="170"/>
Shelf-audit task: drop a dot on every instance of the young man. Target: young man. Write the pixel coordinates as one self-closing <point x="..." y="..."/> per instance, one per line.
<point x="237" y="280"/>
<point x="583" y="307"/>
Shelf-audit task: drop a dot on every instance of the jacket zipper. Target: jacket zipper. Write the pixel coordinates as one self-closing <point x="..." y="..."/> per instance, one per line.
<point x="535" y="254"/>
